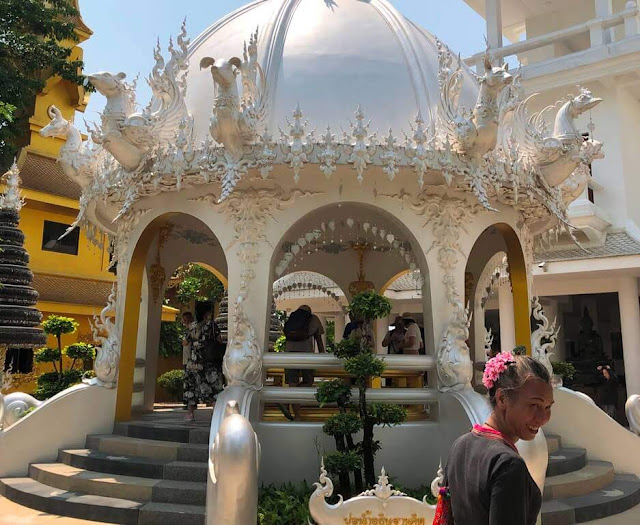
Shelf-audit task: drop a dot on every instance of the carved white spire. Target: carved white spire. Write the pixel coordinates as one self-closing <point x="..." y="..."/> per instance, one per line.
<point x="12" y="198"/>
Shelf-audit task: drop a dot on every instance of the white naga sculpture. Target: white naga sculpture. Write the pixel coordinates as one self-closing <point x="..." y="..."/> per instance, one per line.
<point x="544" y="338"/>
<point x="233" y="471"/>
<point x="78" y="159"/>
<point x="473" y="134"/>
<point x="12" y="406"/>
<point x="236" y="118"/>
<point x="106" y="363"/>
<point x="559" y="153"/>
<point x="632" y="409"/>
<point x="131" y="137"/>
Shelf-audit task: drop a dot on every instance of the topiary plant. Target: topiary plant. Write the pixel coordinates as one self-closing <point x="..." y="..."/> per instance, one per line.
<point x="57" y="326"/>
<point x="172" y="381"/>
<point x="563" y="369"/>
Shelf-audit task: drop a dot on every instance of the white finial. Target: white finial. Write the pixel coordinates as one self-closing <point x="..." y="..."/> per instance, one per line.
<point x="12" y="198"/>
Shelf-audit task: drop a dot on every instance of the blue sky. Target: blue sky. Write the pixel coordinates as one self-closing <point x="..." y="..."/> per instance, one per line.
<point x="125" y="31"/>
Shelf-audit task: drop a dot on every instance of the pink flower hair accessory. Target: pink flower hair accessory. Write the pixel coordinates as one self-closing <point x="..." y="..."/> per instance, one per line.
<point x="496" y="366"/>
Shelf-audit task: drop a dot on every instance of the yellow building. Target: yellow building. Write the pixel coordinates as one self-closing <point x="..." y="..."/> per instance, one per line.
<point x="71" y="275"/>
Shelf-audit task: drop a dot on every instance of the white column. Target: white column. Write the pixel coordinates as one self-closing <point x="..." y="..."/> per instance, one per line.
<point x="493" y="14"/>
<point x="479" y="331"/>
<point x="630" y="325"/>
<point x="381" y="328"/>
<point x="339" y="324"/>
<point x="507" y="318"/>
<point x="598" y="35"/>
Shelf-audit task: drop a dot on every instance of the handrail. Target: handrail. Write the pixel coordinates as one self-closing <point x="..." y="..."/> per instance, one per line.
<point x="405" y="396"/>
<point x="606" y="22"/>
<point x="308" y="360"/>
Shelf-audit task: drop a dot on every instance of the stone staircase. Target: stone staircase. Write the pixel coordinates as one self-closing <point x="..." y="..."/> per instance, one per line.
<point x="578" y="490"/>
<point x="153" y="471"/>
<point x="149" y="472"/>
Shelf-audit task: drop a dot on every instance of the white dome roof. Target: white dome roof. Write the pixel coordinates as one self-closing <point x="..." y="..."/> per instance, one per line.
<point x="330" y="56"/>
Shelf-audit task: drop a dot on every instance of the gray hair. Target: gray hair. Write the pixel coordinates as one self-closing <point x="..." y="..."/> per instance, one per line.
<point x="516" y="376"/>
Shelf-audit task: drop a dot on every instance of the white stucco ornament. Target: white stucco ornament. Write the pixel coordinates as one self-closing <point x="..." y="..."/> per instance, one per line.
<point x="632" y="410"/>
<point x="382" y="504"/>
<point x="108" y="355"/>
<point x="79" y="160"/>
<point x="12" y="197"/>
<point x="546" y="331"/>
<point x="558" y="153"/>
<point x="455" y="369"/>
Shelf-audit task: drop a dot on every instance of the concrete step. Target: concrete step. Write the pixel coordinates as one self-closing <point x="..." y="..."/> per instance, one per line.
<point x="170" y="514"/>
<point x="147" y="448"/>
<point x="31" y="493"/>
<point x="75" y="479"/>
<point x="134" y="466"/>
<point x="594" y="476"/>
<point x="566" y="460"/>
<point x="180" y="432"/>
<point x="615" y="498"/>
<point x="554" y="442"/>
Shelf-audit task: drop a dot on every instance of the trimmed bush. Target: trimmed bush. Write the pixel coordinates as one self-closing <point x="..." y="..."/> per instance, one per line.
<point x="172" y="381"/>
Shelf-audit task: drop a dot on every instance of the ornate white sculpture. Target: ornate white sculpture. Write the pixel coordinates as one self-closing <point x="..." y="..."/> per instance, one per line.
<point x="540" y="351"/>
<point x="78" y="159"/>
<point x="473" y="134"/>
<point x="234" y="461"/>
<point x="488" y="342"/>
<point x="632" y="409"/>
<point x="12" y="197"/>
<point x="12" y="406"/>
<point x="108" y="358"/>
<point x="382" y="504"/>
<point x="130" y="136"/>
<point x="556" y="154"/>
<point x="236" y="118"/>
<point x="455" y="369"/>
<point x="575" y="184"/>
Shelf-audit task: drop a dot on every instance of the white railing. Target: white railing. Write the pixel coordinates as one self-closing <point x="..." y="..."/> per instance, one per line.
<point x="307" y="395"/>
<point x="596" y="28"/>
<point x="402" y="363"/>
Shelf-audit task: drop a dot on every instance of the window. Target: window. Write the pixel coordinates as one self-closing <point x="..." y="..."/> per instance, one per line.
<point x="52" y="232"/>
<point x="20" y="360"/>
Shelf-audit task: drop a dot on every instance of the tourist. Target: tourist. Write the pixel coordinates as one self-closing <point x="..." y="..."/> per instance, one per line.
<point x="350" y="327"/>
<point x="486" y="480"/>
<point x="394" y="337"/>
<point x="412" y="341"/>
<point x="214" y="350"/>
<point x="198" y="379"/>
<point x="187" y="319"/>
<point x="302" y="330"/>
<point x="608" y="390"/>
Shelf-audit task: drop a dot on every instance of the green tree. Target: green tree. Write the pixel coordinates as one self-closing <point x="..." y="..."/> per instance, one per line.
<point x="34" y="46"/>
<point x="362" y="365"/>
<point x="57" y="326"/>
<point x="171" y="333"/>
<point x="197" y="283"/>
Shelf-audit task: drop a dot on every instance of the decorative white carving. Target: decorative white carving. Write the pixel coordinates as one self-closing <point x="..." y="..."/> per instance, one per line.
<point x="574" y="185"/>
<point x="130" y="136"/>
<point x="12" y="197"/>
<point x="108" y="358"/>
<point x="363" y="145"/>
<point x="329" y="153"/>
<point x="556" y="154"/>
<point x="383" y="504"/>
<point x="79" y="161"/>
<point x="540" y="351"/>
<point x="250" y="210"/>
<point x="455" y="369"/>
<point x="488" y="342"/>
<point x="236" y="118"/>
<point x="473" y="134"/>
<point x="632" y="409"/>
<point x="295" y="149"/>
<point x="438" y="481"/>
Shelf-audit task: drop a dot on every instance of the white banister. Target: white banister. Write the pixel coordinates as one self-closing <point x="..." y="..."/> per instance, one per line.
<point x="596" y="28"/>
<point x="303" y="360"/>
<point x="306" y="395"/>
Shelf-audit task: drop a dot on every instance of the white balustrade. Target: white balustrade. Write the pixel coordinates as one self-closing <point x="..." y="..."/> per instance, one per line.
<point x="597" y="28"/>
<point x="403" y="363"/>
<point x="306" y="395"/>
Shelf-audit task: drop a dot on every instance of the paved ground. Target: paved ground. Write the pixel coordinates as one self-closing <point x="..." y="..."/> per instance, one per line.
<point x="631" y="517"/>
<point x="14" y="514"/>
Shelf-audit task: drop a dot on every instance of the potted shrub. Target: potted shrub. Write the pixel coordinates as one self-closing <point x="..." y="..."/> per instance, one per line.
<point x="563" y="373"/>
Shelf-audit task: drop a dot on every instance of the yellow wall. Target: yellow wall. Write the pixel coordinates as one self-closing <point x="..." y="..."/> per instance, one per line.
<point x="91" y="262"/>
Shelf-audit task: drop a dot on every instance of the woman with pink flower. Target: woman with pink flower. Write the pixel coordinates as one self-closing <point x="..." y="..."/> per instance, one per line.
<point x="487" y="482"/>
